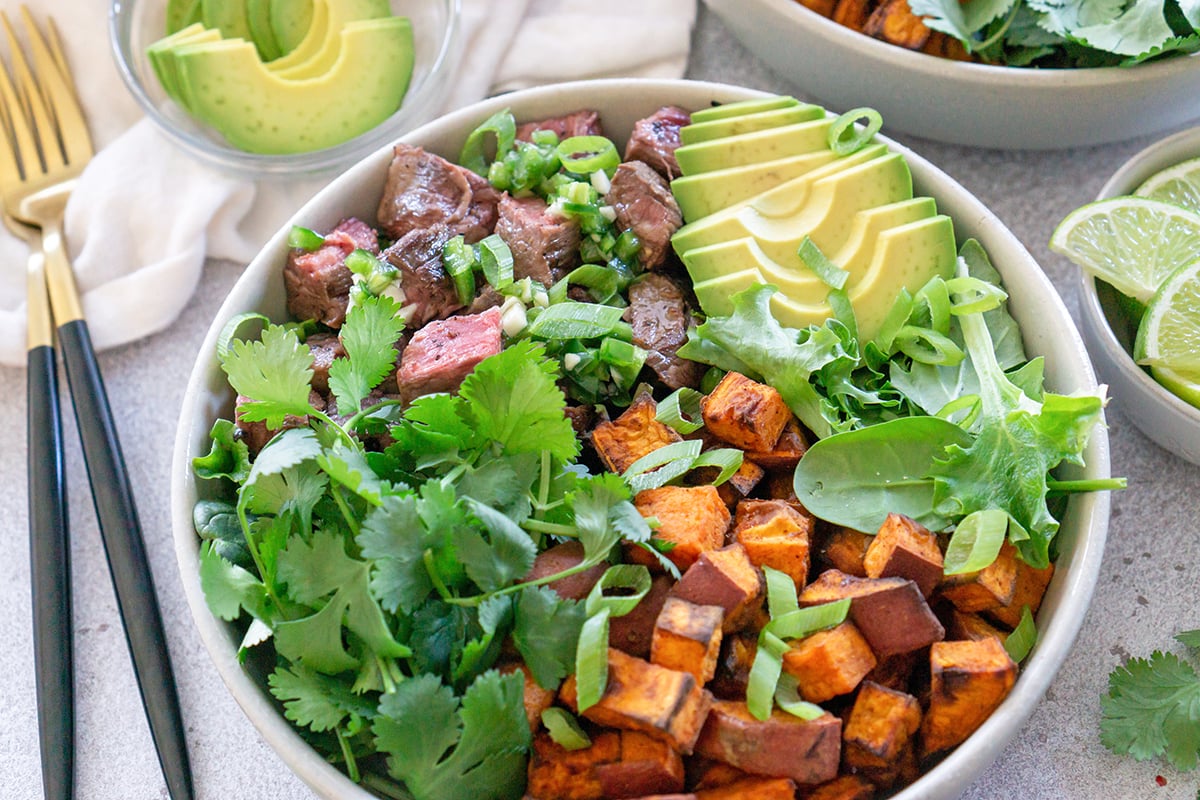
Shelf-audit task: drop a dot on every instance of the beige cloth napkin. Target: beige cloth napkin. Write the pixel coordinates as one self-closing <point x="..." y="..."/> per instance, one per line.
<point x="145" y="215"/>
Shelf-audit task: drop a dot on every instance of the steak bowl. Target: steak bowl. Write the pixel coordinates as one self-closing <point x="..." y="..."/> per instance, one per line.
<point x="1047" y="331"/>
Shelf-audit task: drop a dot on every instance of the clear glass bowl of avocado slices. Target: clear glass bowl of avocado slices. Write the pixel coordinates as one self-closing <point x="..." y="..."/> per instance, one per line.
<point x="284" y="87"/>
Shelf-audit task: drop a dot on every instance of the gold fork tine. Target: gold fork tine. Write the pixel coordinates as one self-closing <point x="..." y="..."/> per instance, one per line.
<point x="35" y="107"/>
<point x="58" y="94"/>
<point x="18" y="133"/>
<point x="56" y="49"/>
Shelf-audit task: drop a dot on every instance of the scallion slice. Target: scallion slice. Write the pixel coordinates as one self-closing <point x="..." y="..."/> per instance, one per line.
<point x="503" y="127"/>
<point x="591" y="660"/>
<point x="976" y="541"/>
<point x="304" y="239"/>
<point x="843" y="310"/>
<point x="631" y="579"/>
<point x="1023" y="637"/>
<point x="680" y="411"/>
<point x="572" y="320"/>
<point x="764" y="674"/>
<point x="564" y="729"/>
<point x="927" y="346"/>
<point x="781" y="593"/>
<point x="658" y="467"/>
<point x="496" y="260"/>
<point x="787" y="697"/>
<point x="727" y="459"/>
<point x="458" y="258"/>
<point x="377" y="275"/>
<point x="831" y="274"/>
<point x="896" y="318"/>
<point x="972" y="296"/>
<point x="846" y="137"/>
<point x="584" y="155"/>
<point x="800" y="623"/>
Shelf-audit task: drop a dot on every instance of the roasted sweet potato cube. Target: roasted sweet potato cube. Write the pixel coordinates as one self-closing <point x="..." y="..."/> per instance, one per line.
<point x="646" y="766"/>
<point x="852" y="13"/>
<point x="741" y="483"/>
<point x="880" y="726"/>
<point x="822" y="7"/>
<point x="965" y="625"/>
<point x="692" y="518"/>
<point x="634" y="632"/>
<point x="632" y="435"/>
<point x="745" y="413"/>
<point x="641" y="696"/>
<point x="751" y="789"/>
<point x="843" y="787"/>
<point x="968" y="680"/>
<point x="787" y="451"/>
<point x="561" y="557"/>
<point x="555" y="773"/>
<point x="733" y="667"/>
<point x="536" y="698"/>
<point x="724" y="578"/>
<point x="890" y="613"/>
<point x="906" y="549"/>
<point x="781" y="746"/>
<point x="845" y="550"/>
<point x="829" y="663"/>
<point x="687" y="637"/>
<point x="1030" y="587"/>
<point x="991" y="587"/>
<point x="894" y="22"/>
<point x="775" y="534"/>
<point x="704" y="773"/>
<point x="896" y="671"/>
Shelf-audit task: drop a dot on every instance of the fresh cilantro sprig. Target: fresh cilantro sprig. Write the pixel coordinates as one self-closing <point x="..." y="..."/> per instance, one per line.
<point x="1152" y="708"/>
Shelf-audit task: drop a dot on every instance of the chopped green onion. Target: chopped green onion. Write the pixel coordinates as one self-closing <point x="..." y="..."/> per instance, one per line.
<point x="787" y="697"/>
<point x="970" y="403"/>
<point x="627" y="359"/>
<point x="304" y="239"/>
<point x="572" y="320"/>
<point x="812" y="257"/>
<point x="935" y="297"/>
<point x="764" y="674"/>
<point x="843" y="310"/>
<point x="627" y="246"/>
<point x="591" y="660"/>
<point x="728" y="459"/>
<point x="602" y="282"/>
<point x="976" y="541"/>
<point x="680" y="411"/>
<point x="544" y="138"/>
<point x="564" y="729"/>
<point x="927" y="346"/>
<point x="709" y="380"/>
<point x="584" y="155"/>
<point x="662" y="465"/>
<point x="846" y="137"/>
<point x="633" y="579"/>
<point x="781" y="593"/>
<point x="976" y="296"/>
<point x="800" y="623"/>
<point x="496" y="260"/>
<point x="503" y="127"/>
<point x="377" y="275"/>
<point x="1023" y="637"/>
<point x="459" y="260"/>
<point x="896" y="318"/>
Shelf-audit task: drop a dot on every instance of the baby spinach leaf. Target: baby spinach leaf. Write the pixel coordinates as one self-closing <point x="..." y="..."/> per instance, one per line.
<point x="229" y="457"/>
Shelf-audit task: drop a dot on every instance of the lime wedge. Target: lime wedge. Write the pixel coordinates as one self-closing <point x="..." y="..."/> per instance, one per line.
<point x="1179" y="184"/>
<point x="1132" y="243"/>
<point x="1168" y="339"/>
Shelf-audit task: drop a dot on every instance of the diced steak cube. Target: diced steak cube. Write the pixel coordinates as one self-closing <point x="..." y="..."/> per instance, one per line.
<point x="429" y="291"/>
<point x="424" y="190"/>
<point x="584" y="122"/>
<point x="318" y="282"/>
<point x="659" y="314"/>
<point x="325" y="347"/>
<point x="444" y="352"/>
<point x="645" y="205"/>
<point x="655" y="138"/>
<point x="544" y="245"/>
<point x="256" y="434"/>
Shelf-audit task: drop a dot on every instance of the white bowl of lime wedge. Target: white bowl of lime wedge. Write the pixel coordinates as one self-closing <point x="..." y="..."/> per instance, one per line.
<point x="1168" y="170"/>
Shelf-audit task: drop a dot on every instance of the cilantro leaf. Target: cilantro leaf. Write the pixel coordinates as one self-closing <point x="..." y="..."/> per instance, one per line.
<point x="274" y="372"/>
<point x="369" y="334"/>
<point x="1153" y="709"/>
<point x="229" y="588"/>
<point x="393" y="537"/>
<point x="546" y="632"/>
<point x="348" y="466"/>
<point x="1140" y="28"/>
<point x="485" y="735"/>
<point x="1189" y="638"/>
<point x="495" y="618"/>
<point x="960" y="20"/>
<point x="316" y="701"/>
<point x="433" y="431"/>
<point x="438" y="632"/>
<point x="229" y="457"/>
<point x="505" y="556"/>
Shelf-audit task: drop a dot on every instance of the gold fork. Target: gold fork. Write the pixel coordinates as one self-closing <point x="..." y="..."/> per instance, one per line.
<point x="46" y="146"/>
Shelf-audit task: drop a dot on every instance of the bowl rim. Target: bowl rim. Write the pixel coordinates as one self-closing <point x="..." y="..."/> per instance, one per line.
<point x="1072" y="588"/>
<point x="419" y="102"/>
<point x="986" y="74"/>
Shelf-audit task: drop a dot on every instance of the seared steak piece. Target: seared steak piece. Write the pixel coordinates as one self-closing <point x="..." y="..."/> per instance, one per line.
<point x="318" y="283"/>
<point x="584" y="122"/>
<point x="645" y="205"/>
<point x="424" y="190"/>
<point x="659" y="314"/>
<point x="256" y="434"/>
<point x="583" y="418"/>
<point x="429" y="292"/>
<point x="445" y="352"/>
<point x="655" y="138"/>
<point x="488" y="297"/>
<point x="544" y="245"/>
<point x="325" y="347"/>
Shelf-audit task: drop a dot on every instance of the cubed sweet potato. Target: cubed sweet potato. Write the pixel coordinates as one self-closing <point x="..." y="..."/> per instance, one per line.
<point x="692" y="518"/>
<point x="845" y="550"/>
<point x="897" y="671"/>
<point x="645" y="697"/>
<point x="829" y="663"/>
<point x="991" y="587"/>
<point x="965" y="625"/>
<point x="895" y="23"/>
<point x="687" y="637"/>
<point x="646" y="766"/>
<point x="906" y="549"/>
<point x="724" y="578"/>
<point x="843" y="787"/>
<point x="536" y="698"/>
<point x="891" y="613"/>
<point x="733" y="667"/>
<point x="776" y="535"/>
<point x="822" y="7"/>
<point x="1028" y="591"/>
<point x="741" y="483"/>
<point x="880" y="726"/>
<point x="782" y="746"/>
<point x="745" y="413"/>
<point x="634" y="632"/>
<point x="968" y="680"/>
<point x="751" y="789"/>
<point x="787" y="451"/>
<point x="555" y="773"/>
<point x="852" y="13"/>
<point x="632" y="435"/>
<point x="562" y="557"/>
<point x="704" y="773"/>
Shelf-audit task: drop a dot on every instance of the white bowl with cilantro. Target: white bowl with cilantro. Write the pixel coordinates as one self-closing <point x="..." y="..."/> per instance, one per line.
<point x="976" y="104"/>
<point x="1046" y="330"/>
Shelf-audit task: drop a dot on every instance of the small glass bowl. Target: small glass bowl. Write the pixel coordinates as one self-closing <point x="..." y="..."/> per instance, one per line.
<point x="135" y="24"/>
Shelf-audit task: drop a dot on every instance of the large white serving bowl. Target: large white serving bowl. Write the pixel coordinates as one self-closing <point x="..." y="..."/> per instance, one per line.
<point x="1047" y="331"/>
<point x="959" y="102"/>
<point x="1109" y="333"/>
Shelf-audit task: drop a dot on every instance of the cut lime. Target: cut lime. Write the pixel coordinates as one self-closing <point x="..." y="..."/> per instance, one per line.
<point x="1168" y="340"/>
<point x="1179" y="184"/>
<point x="1132" y="243"/>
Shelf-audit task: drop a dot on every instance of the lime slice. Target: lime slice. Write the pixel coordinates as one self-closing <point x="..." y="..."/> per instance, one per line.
<point x="1132" y="243"/>
<point x="1168" y="339"/>
<point x="1179" y="184"/>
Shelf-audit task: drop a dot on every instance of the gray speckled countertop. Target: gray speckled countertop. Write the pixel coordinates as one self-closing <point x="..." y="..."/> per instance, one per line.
<point x="1147" y="590"/>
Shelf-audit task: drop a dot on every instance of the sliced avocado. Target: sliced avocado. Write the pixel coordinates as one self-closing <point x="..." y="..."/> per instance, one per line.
<point x="726" y="110"/>
<point x="786" y="199"/>
<point x="856" y="254"/>
<point x="290" y="21"/>
<point x="716" y="294"/>
<point x="258" y="17"/>
<point x="739" y="255"/>
<point x="754" y="147"/>
<point x="162" y="60"/>
<point x="709" y="192"/>
<point x="231" y="89"/>
<point x="182" y="13"/>
<point x="749" y="123"/>
<point x="227" y="16"/>
<point x="316" y="53"/>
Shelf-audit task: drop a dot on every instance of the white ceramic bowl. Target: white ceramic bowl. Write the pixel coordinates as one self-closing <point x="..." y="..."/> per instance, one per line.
<point x="135" y="24"/>
<point x="1163" y="417"/>
<point x="1046" y="326"/>
<point x="958" y="102"/>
